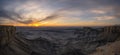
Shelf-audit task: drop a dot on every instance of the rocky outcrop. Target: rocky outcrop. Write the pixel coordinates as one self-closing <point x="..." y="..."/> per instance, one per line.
<point x="7" y="34"/>
<point x="10" y="44"/>
<point x="111" y="39"/>
<point x="110" y="34"/>
<point x="108" y="49"/>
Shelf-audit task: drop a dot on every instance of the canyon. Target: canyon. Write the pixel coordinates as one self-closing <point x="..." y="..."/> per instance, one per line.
<point x="60" y="41"/>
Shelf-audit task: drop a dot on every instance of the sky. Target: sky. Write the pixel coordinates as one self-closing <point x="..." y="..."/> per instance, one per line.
<point x="59" y="12"/>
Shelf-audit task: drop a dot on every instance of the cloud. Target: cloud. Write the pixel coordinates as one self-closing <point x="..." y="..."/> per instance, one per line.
<point x="10" y="13"/>
<point x="105" y="18"/>
<point x="13" y="16"/>
<point x="103" y="10"/>
<point x="98" y="11"/>
<point x="28" y="11"/>
<point x="53" y="16"/>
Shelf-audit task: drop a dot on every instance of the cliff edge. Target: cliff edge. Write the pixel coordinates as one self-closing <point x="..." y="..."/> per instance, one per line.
<point x="10" y="44"/>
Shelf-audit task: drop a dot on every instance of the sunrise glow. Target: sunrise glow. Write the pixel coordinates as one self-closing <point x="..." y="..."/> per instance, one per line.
<point x="34" y="24"/>
<point x="59" y="13"/>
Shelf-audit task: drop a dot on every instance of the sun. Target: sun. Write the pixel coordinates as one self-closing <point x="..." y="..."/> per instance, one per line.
<point x="35" y="24"/>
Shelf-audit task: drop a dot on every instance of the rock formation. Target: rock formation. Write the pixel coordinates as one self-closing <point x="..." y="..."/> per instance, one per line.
<point x="88" y="41"/>
<point x="10" y="44"/>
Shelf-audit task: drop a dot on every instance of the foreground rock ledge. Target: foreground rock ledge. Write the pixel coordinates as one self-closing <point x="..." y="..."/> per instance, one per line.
<point x="9" y="44"/>
<point x="6" y="35"/>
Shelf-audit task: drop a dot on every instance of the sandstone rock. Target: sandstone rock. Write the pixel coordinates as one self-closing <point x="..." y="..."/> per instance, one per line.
<point x="108" y="49"/>
<point x="110" y="33"/>
<point x="10" y="44"/>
